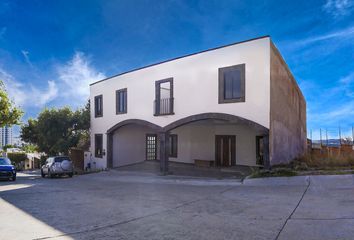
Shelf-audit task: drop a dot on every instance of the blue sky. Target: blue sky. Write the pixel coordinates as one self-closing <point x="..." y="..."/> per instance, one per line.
<point x="51" y="50"/>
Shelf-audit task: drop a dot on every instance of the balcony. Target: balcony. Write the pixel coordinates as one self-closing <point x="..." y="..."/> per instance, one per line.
<point x="163" y="106"/>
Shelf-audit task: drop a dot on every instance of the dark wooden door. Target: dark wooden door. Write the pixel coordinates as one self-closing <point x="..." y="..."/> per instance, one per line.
<point x="225" y="150"/>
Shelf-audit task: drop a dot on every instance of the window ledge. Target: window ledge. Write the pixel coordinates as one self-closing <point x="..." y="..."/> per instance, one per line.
<point x="235" y="100"/>
<point x="164" y="114"/>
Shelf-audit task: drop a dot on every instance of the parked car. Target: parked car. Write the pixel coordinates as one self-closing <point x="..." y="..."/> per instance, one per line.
<point x="57" y="166"/>
<point x="7" y="170"/>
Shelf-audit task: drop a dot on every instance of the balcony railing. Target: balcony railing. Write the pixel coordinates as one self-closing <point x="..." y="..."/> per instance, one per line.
<point x="163" y="106"/>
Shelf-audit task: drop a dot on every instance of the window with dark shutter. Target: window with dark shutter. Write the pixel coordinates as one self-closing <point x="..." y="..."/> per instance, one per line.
<point x="121" y="101"/>
<point x="232" y="84"/>
<point x="99" y="106"/>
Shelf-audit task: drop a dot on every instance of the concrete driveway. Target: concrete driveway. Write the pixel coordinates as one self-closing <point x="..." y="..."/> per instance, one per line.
<point x="124" y="205"/>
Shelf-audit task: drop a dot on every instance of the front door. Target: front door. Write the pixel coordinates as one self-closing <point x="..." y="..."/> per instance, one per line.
<point x="225" y="150"/>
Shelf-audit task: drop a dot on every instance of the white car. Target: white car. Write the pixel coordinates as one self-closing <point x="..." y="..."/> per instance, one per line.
<point x="57" y="166"/>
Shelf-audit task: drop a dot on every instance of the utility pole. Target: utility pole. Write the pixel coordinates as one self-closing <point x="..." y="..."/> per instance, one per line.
<point x="340" y="137"/>
<point x="326" y="138"/>
<point x="327" y="148"/>
<point x="321" y="137"/>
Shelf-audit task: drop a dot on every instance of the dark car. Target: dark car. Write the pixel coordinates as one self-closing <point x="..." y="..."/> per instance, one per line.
<point x="7" y="170"/>
<point x="57" y="166"/>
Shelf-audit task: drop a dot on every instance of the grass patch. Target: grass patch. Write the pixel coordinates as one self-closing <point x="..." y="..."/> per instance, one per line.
<point x="309" y="165"/>
<point x="327" y="172"/>
<point x="313" y="162"/>
<point x="276" y="172"/>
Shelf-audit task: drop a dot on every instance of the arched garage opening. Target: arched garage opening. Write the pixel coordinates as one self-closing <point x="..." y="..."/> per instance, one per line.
<point x="132" y="141"/>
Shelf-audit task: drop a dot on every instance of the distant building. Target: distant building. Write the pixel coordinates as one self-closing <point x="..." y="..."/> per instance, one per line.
<point x="5" y="136"/>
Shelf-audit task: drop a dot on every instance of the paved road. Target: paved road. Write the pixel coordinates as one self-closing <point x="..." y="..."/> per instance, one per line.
<point x="122" y="205"/>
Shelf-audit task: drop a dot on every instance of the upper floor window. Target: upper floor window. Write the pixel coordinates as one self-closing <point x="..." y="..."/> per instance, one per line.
<point x="121" y="101"/>
<point x="164" y="97"/>
<point x="99" y="106"/>
<point x="232" y="84"/>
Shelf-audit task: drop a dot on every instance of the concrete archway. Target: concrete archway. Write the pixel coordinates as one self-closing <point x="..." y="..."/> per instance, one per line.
<point x="121" y="124"/>
<point x="229" y="119"/>
<point x="164" y="133"/>
<point x="216" y="116"/>
<point x="137" y="122"/>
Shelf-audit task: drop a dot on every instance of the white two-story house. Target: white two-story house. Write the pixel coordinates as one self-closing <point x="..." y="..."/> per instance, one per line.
<point x="233" y="105"/>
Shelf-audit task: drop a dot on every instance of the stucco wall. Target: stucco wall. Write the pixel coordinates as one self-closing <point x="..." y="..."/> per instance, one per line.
<point x="197" y="141"/>
<point x="195" y="80"/>
<point x="129" y="145"/>
<point x="287" y="136"/>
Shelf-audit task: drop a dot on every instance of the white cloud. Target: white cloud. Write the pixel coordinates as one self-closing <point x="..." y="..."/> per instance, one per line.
<point x="332" y="105"/>
<point x="25" y="95"/>
<point x="44" y="97"/>
<point x="347" y="79"/>
<point x="76" y="75"/>
<point x="14" y="88"/>
<point x="343" y="33"/>
<point x="336" y="115"/>
<point x="338" y="8"/>
<point x="347" y="84"/>
<point x="26" y="56"/>
<point x="72" y="82"/>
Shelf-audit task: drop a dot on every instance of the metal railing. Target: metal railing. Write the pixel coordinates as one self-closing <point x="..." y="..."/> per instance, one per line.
<point x="163" y="106"/>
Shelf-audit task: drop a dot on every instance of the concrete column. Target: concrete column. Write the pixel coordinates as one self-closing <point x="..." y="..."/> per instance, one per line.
<point x="266" y="158"/>
<point x="109" y="150"/>
<point x="164" y="152"/>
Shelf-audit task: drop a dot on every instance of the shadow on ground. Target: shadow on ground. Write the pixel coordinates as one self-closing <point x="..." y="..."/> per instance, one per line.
<point x="107" y="206"/>
<point x="190" y="170"/>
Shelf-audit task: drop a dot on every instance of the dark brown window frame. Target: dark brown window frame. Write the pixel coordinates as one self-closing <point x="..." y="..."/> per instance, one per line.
<point x="125" y="101"/>
<point x="98" y="155"/>
<point x="146" y="146"/>
<point x="173" y="140"/>
<point x="242" y="68"/>
<point x="95" y="106"/>
<point x="157" y="97"/>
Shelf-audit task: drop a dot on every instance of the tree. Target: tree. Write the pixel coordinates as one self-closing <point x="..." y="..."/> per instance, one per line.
<point x="17" y="158"/>
<point x="57" y="130"/>
<point x="7" y="146"/>
<point x="9" y="113"/>
<point x="83" y="126"/>
<point x="29" y="148"/>
<point x="29" y="132"/>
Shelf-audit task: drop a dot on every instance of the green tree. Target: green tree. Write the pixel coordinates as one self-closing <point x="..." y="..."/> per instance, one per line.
<point x="29" y="148"/>
<point x="7" y="146"/>
<point x="17" y="159"/>
<point x="9" y="113"/>
<point x="82" y="117"/>
<point x="29" y="132"/>
<point x="57" y="130"/>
